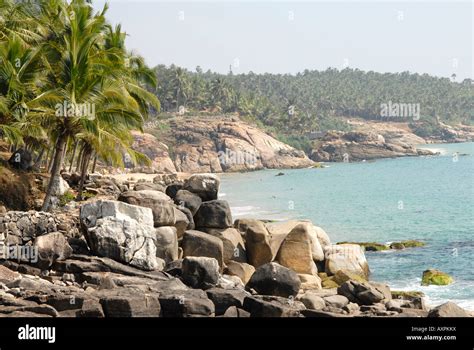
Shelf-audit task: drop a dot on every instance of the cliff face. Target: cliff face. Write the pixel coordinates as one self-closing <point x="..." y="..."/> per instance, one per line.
<point x="214" y="144"/>
<point x="337" y="146"/>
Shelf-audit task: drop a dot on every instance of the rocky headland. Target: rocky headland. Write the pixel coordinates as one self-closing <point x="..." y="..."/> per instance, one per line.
<point x="170" y="248"/>
<point x="339" y="146"/>
<point x="370" y="140"/>
<point x="213" y="144"/>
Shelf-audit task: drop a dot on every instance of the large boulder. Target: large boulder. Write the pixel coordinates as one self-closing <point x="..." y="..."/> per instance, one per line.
<point x="272" y="306"/>
<point x="323" y="237"/>
<point x="257" y="243"/>
<point x="188" y="200"/>
<point x="295" y="251"/>
<point x="116" y="304"/>
<point x="225" y="298"/>
<point x="282" y="229"/>
<point x="274" y="279"/>
<point x="312" y="301"/>
<point x="448" y="309"/>
<point x="213" y="214"/>
<point x="122" y="232"/>
<point x="166" y="243"/>
<point x="182" y="222"/>
<point x="310" y="281"/>
<point x="205" y="186"/>
<point x="200" y="272"/>
<point x="149" y="186"/>
<point x="349" y="257"/>
<point x="364" y="293"/>
<point x="242" y="270"/>
<point x="234" y="246"/>
<point x="197" y="243"/>
<point x="186" y="303"/>
<point x="51" y="247"/>
<point x="161" y="205"/>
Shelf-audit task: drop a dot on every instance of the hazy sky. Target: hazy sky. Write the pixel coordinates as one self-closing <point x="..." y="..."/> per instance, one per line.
<point x="288" y="36"/>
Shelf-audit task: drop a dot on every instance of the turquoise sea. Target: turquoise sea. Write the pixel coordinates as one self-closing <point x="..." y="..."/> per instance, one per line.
<point x="424" y="198"/>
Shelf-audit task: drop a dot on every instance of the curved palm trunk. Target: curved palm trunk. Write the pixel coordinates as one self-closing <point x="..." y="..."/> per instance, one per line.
<point x="55" y="171"/>
<point x="84" y="166"/>
<point x="95" y="163"/>
<point x="73" y="155"/>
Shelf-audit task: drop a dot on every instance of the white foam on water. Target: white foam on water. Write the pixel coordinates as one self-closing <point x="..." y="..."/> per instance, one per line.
<point x="442" y="151"/>
<point x="435" y="295"/>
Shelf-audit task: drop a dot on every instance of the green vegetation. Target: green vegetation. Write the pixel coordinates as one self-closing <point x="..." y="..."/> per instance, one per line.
<point x="69" y="89"/>
<point x="369" y="246"/>
<point x="376" y="247"/>
<point x="66" y="198"/>
<point x="413" y="243"/>
<point x="436" y="277"/>
<point x="342" y="276"/>
<point x="408" y="295"/>
<point x="291" y="106"/>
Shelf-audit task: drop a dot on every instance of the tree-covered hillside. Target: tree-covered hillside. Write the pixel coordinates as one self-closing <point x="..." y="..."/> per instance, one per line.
<point x="315" y="100"/>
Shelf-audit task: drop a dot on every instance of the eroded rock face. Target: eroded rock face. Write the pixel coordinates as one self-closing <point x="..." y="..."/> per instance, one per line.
<point x="353" y="146"/>
<point x="219" y="145"/>
<point x="155" y="150"/>
<point x="122" y="232"/>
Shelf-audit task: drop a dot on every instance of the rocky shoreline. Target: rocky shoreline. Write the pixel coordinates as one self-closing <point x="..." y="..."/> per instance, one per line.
<point x="169" y="248"/>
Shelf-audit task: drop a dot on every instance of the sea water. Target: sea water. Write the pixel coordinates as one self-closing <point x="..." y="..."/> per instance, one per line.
<point x="424" y="198"/>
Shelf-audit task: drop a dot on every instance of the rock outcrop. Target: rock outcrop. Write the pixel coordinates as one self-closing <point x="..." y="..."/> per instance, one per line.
<point x="217" y="144"/>
<point x="353" y="146"/>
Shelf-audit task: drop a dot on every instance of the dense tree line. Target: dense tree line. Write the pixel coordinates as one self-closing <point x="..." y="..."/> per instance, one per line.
<point x="70" y="92"/>
<point x="314" y="100"/>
